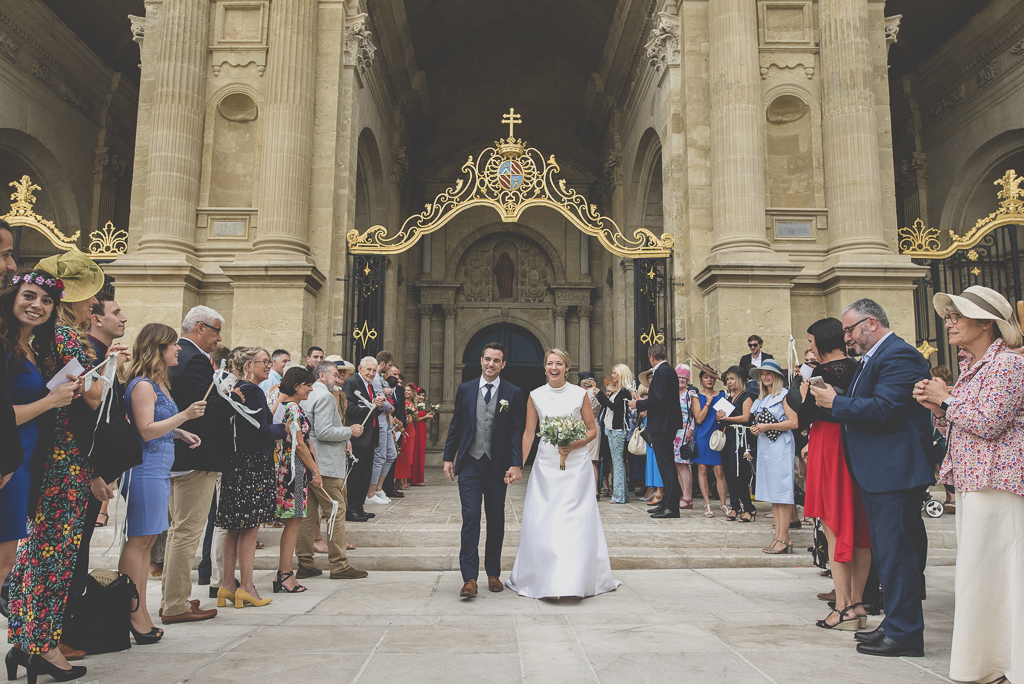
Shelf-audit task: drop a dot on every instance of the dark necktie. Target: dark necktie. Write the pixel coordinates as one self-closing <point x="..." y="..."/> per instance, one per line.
<point x="487" y="394"/>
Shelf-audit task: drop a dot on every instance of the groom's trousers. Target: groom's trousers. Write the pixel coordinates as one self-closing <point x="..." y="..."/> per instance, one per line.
<point x="479" y="484"/>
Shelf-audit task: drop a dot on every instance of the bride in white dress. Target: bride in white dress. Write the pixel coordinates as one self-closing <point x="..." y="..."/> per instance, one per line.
<point x="562" y="549"/>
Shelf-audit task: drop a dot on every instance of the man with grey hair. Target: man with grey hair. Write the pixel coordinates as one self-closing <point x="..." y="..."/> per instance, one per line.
<point x="888" y="438"/>
<point x="364" y="407"/>
<point x="330" y="439"/>
<point x="385" y="454"/>
<point x="195" y="472"/>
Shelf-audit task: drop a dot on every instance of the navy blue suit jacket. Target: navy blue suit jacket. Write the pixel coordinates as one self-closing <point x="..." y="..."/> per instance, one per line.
<point x="888" y="433"/>
<point x="506" y="447"/>
<point x="662" y="403"/>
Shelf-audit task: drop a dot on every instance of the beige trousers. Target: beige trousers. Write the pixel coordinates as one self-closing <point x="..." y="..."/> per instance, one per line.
<point x="333" y="489"/>
<point x="191" y="495"/>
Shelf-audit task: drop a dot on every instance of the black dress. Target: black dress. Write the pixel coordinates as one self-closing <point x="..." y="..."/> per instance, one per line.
<point x="738" y="473"/>
<point x="248" y="487"/>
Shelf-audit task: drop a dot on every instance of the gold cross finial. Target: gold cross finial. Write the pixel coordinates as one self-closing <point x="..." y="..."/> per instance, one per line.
<point x="511" y="119"/>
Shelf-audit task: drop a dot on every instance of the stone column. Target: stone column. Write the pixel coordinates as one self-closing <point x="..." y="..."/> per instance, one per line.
<point x="737" y="145"/>
<point x="176" y="142"/>
<point x="288" y="128"/>
<point x="849" y="128"/>
<point x="426" y="310"/>
<point x="584" y="311"/>
<point x="448" y="372"/>
<point x="560" y="313"/>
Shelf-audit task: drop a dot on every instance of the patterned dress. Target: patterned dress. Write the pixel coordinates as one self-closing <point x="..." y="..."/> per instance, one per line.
<point x="291" y="493"/>
<point x="247" y="489"/>
<point x="41" y="579"/>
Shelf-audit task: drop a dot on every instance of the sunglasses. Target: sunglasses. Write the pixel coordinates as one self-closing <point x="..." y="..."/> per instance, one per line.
<point x="752" y="345"/>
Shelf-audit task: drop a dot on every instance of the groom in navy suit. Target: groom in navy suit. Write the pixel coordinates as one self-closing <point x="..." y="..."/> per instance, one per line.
<point x="888" y="442"/>
<point x="485" y="449"/>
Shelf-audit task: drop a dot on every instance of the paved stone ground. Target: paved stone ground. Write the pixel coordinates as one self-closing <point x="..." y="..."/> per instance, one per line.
<point x="747" y="625"/>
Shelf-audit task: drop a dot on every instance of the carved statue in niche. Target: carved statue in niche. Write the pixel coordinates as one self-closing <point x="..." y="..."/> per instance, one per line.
<point x="533" y="273"/>
<point x="504" y="272"/>
<point x="476" y="275"/>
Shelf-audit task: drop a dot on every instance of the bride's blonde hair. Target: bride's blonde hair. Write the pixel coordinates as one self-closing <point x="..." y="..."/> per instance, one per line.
<point x="560" y="353"/>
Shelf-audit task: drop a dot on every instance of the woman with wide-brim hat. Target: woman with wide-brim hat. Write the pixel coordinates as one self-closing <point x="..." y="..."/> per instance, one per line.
<point x="62" y="483"/>
<point x="774" y="421"/>
<point x="982" y="416"/>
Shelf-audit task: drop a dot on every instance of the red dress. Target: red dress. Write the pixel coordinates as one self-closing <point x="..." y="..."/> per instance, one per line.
<point x="403" y="466"/>
<point x="419" y="462"/>
<point x="831" y="494"/>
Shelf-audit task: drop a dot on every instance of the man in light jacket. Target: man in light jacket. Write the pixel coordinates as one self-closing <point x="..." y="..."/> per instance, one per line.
<point x="330" y="439"/>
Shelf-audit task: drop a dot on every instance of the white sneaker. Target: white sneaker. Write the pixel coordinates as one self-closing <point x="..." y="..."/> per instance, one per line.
<point x="373" y="500"/>
<point x="382" y="496"/>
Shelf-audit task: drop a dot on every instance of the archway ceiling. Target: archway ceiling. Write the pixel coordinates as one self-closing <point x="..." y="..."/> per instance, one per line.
<point x="103" y="25"/>
<point x="925" y="26"/>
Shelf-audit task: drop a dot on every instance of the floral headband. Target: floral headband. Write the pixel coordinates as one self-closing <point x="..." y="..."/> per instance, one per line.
<point x="34" y="278"/>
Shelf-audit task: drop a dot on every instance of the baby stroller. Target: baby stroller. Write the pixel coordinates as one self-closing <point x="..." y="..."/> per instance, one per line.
<point x="932" y="506"/>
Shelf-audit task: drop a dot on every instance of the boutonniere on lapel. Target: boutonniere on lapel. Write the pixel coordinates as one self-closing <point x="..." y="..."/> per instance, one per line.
<point x="504" y="405"/>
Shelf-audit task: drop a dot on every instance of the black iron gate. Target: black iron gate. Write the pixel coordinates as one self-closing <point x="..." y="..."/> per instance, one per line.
<point x="650" y="308"/>
<point x="367" y="305"/>
<point x="994" y="262"/>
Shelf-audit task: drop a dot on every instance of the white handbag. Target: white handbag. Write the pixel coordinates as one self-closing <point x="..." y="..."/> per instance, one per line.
<point x="637" y="445"/>
<point x="717" y="441"/>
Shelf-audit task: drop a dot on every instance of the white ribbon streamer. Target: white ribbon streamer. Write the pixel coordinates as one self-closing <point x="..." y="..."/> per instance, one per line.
<point x="792" y="359"/>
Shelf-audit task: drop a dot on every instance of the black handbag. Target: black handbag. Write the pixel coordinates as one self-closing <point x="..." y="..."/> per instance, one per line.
<point x="115" y="444"/>
<point x="99" y="620"/>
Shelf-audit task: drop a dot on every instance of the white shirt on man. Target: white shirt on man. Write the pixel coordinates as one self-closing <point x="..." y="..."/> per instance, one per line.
<point x="494" y="386"/>
<point x="757" y="361"/>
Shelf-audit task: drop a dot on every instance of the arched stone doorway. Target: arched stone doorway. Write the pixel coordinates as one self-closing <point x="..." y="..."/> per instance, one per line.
<point x="525" y="355"/>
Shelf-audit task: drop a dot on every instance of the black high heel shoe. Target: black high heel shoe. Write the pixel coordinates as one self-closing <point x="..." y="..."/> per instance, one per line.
<point x="151" y="637"/>
<point x="38" y="665"/>
<point x="279" y="584"/>
<point x="15" y="657"/>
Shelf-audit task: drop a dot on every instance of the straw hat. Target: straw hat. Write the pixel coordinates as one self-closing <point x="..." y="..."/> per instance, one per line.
<point x="985" y="304"/>
<point x="645" y="378"/>
<point x="769" y="365"/>
<point x="81" y="275"/>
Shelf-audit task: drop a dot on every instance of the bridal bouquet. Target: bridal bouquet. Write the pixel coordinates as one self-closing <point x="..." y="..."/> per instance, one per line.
<point x="436" y="408"/>
<point x="561" y="432"/>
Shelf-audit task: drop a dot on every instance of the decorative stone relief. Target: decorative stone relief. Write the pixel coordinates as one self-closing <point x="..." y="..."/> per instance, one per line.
<point x="533" y="273"/>
<point x="786" y="60"/>
<point x="476" y="280"/>
<point x="74" y="99"/>
<point x="449" y="310"/>
<point x="584" y="311"/>
<point x="948" y="103"/>
<point x="240" y="31"/>
<point x="109" y="167"/>
<point x="560" y="312"/>
<point x="613" y="167"/>
<point x="41" y="71"/>
<point x="892" y="28"/>
<point x="359" y="48"/>
<point x="662" y="47"/>
<point x="987" y="74"/>
<point x="908" y="170"/>
<point x="399" y="165"/>
<point x="426" y="310"/>
<point x="8" y="46"/>
<point x="1018" y="47"/>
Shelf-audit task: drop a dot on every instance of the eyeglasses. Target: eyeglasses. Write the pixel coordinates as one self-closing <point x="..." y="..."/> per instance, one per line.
<point x="953" y="317"/>
<point x="849" y="329"/>
<point x="753" y="344"/>
<point x="216" y="330"/>
<point x="266" y="363"/>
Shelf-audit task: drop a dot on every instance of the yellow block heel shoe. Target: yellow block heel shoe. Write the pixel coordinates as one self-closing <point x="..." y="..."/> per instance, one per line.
<point x="242" y="597"/>
<point x="223" y="596"/>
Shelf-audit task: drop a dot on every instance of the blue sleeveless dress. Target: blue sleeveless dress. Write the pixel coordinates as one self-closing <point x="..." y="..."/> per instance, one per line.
<point x="25" y="383"/>
<point x="705" y="454"/>
<point x="147" y="487"/>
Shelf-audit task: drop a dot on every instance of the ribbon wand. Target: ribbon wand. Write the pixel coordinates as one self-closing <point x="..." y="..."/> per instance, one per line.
<point x="223" y="365"/>
<point x="367" y="404"/>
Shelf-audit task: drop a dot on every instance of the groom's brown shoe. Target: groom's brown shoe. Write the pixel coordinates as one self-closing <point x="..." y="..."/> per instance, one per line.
<point x="468" y="589"/>
<point x="494" y="584"/>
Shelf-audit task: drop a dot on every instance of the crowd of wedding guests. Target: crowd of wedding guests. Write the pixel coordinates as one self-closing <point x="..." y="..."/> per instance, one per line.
<point x="230" y="440"/>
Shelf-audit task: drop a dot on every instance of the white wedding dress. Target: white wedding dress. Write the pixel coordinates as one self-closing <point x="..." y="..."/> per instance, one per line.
<point x="562" y="549"/>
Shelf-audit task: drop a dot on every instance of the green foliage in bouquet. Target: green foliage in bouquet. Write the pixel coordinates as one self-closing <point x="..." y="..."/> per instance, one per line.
<point x="561" y="432"/>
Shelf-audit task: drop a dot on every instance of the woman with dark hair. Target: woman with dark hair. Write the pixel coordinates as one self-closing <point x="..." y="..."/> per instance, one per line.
<point x="247" y="497"/>
<point x="60" y="476"/>
<point x="831" y="493"/>
<point x="736" y="454"/>
<point x="422" y="429"/>
<point x="408" y="446"/>
<point x="147" y="487"/>
<point x="707" y="423"/>
<point x="292" y="472"/>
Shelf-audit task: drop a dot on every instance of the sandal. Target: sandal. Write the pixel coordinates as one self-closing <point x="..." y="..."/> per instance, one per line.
<point x="777" y="547"/>
<point x="708" y="513"/>
<point x="279" y="584"/>
<point x="845" y="623"/>
<point x="746" y="517"/>
<point x="685" y="504"/>
<point x="106" y="519"/>
<point x="731" y="515"/>
<point x="655" y="501"/>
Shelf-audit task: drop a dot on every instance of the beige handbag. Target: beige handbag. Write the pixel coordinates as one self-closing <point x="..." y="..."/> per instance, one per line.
<point x="717" y="441"/>
<point x="637" y="445"/>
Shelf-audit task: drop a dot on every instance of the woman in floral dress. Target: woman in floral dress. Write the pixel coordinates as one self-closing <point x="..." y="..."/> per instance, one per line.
<point x="296" y="464"/>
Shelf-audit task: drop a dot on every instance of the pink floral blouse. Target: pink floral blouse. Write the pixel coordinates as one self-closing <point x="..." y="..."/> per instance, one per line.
<point x="985" y="424"/>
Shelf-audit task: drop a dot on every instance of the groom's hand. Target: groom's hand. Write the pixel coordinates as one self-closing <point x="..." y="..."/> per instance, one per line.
<point x="449" y="471"/>
<point x="514" y="474"/>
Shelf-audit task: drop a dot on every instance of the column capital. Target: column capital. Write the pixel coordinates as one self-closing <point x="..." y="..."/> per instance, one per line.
<point x="426" y="310"/>
<point x="449" y="310"/>
<point x="584" y="311"/>
<point x="560" y="312"/>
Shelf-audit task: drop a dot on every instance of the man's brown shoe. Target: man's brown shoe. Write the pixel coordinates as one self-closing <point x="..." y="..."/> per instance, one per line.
<point x="494" y="584"/>
<point x="303" y="573"/>
<point x="193" y="614"/>
<point x="70" y="653"/>
<point x="468" y="589"/>
<point x="194" y="602"/>
<point x="830" y="596"/>
<point x="349" y="573"/>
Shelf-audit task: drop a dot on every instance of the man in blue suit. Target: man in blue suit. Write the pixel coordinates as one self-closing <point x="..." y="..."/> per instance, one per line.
<point x="888" y="440"/>
<point x="485" y="449"/>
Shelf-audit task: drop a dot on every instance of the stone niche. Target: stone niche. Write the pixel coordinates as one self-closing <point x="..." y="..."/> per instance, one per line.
<point x="233" y="158"/>
<point x="505" y="268"/>
<point x="790" y="154"/>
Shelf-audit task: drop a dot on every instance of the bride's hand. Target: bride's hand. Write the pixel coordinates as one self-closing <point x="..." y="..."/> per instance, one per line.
<point x="564" y="450"/>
